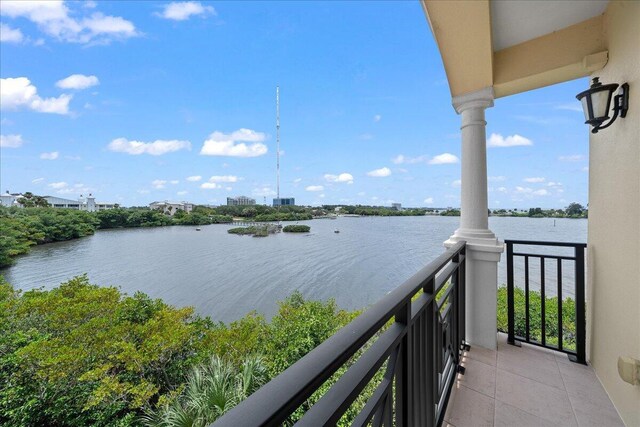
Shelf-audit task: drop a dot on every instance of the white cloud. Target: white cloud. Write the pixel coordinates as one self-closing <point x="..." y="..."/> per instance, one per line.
<point x="400" y="159"/>
<point x="194" y="178"/>
<point x="377" y="118"/>
<point x="58" y="185"/>
<point x="541" y="192"/>
<point x="343" y="177"/>
<point x="444" y="159"/>
<point x="53" y="18"/>
<point x="10" y="35"/>
<point x="155" y="148"/>
<point x="181" y="11"/>
<point x="314" y="188"/>
<point x="158" y="183"/>
<point x="572" y="158"/>
<point x="37" y="180"/>
<point x="210" y="185"/>
<point x="224" y="178"/>
<point x="78" y="81"/>
<point x="16" y="93"/>
<point x="502" y="189"/>
<point x="297" y="180"/>
<point x="573" y="106"/>
<point x="362" y="193"/>
<point x="497" y="140"/>
<point x="174" y="181"/>
<point x="233" y="144"/>
<point x="456" y="183"/>
<point x="10" y="141"/>
<point x="264" y="191"/>
<point x="428" y="201"/>
<point x="585" y="169"/>
<point x="380" y="173"/>
<point x="499" y="178"/>
<point x="49" y="156"/>
<point x="535" y="179"/>
<point x="182" y="193"/>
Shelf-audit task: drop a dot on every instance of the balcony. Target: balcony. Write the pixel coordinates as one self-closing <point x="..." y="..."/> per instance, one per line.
<point x="406" y="361"/>
<point x="527" y="386"/>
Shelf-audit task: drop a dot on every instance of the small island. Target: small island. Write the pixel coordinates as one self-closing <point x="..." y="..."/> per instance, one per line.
<point x="255" y="231"/>
<point x="296" y="229"/>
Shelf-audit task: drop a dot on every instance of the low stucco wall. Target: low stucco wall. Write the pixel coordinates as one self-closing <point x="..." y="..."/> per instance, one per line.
<point x="614" y="218"/>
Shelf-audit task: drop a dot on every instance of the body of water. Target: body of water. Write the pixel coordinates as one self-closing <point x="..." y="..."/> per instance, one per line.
<point x="225" y="276"/>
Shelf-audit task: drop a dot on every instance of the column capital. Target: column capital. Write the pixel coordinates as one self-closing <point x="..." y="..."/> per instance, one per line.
<point x="482" y="98"/>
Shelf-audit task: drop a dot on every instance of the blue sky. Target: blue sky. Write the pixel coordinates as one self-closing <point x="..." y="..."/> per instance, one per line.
<point x="143" y="101"/>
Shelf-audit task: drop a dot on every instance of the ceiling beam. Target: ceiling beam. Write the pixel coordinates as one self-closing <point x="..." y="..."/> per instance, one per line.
<point x="462" y="30"/>
<point x="563" y="55"/>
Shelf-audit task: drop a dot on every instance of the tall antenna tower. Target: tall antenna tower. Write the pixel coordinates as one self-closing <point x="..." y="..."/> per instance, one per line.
<point x="278" y="140"/>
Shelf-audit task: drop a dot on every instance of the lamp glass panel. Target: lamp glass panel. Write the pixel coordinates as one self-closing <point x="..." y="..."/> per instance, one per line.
<point x="600" y="102"/>
<point x="585" y="108"/>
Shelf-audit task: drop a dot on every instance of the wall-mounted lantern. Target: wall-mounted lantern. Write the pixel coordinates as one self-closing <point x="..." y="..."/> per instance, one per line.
<point x="596" y="102"/>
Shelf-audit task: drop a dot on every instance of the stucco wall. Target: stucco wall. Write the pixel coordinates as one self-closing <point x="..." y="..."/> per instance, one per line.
<point x="614" y="218"/>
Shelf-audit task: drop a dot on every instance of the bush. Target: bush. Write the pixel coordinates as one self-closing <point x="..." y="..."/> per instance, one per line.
<point x="296" y="229"/>
<point x="535" y="321"/>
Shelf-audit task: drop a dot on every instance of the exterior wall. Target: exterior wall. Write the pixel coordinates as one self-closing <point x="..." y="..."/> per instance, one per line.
<point x="240" y="201"/>
<point x="284" y="201"/>
<point x="614" y="219"/>
<point x="8" y="200"/>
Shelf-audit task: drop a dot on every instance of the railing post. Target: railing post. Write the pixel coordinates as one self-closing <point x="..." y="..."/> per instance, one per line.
<point x="580" y="307"/>
<point x="510" y="296"/>
<point x="404" y="397"/>
<point x="431" y="378"/>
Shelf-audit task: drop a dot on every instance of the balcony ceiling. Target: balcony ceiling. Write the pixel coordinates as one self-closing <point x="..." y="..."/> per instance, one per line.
<point x="516" y="46"/>
<point x="515" y="22"/>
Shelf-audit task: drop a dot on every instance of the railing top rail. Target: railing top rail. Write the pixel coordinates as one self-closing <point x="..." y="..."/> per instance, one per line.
<point x="268" y="404"/>
<point x="541" y="243"/>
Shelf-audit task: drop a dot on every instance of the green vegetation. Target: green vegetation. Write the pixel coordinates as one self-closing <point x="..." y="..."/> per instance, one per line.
<point x="82" y="355"/>
<point x="450" y="212"/>
<point x="255" y="231"/>
<point x="374" y="210"/>
<point x="535" y="321"/>
<point x="21" y="228"/>
<point x="574" y="210"/>
<point x="296" y="229"/>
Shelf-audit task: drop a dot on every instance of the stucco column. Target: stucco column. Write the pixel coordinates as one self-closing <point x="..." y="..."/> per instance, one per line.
<point x="483" y="248"/>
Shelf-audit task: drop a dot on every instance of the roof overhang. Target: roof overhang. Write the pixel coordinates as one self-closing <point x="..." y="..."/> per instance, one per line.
<point x="517" y="46"/>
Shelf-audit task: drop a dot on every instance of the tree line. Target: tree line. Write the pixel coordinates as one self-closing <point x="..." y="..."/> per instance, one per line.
<point x="81" y="354"/>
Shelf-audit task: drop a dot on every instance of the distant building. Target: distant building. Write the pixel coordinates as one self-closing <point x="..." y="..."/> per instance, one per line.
<point x="240" y="201"/>
<point x="10" y="199"/>
<point x="170" y="208"/>
<point x="284" y="201"/>
<point x="396" y="206"/>
<point x="88" y="204"/>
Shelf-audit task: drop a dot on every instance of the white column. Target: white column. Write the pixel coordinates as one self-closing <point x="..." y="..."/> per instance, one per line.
<point x="483" y="248"/>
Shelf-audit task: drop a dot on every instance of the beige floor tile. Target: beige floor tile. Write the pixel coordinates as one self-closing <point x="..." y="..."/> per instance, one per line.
<point x="479" y="376"/>
<point x="525" y="350"/>
<point x="510" y="416"/>
<point x="471" y="409"/>
<point x="541" y="400"/>
<point x="590" y="414"/>
<point x="483" y="355"/>
<point x="538" y="368"/>
<point x="583" y="385"/>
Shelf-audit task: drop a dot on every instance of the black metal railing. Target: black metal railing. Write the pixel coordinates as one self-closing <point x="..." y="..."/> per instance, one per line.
<point x="571" y="342"/>
<point x="419" y="354"/>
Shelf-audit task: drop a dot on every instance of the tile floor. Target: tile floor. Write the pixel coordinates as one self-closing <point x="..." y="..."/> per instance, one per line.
<point x="527" y="386"/>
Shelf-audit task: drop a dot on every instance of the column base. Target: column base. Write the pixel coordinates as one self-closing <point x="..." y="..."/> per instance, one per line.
<point x="482" y="257"/>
